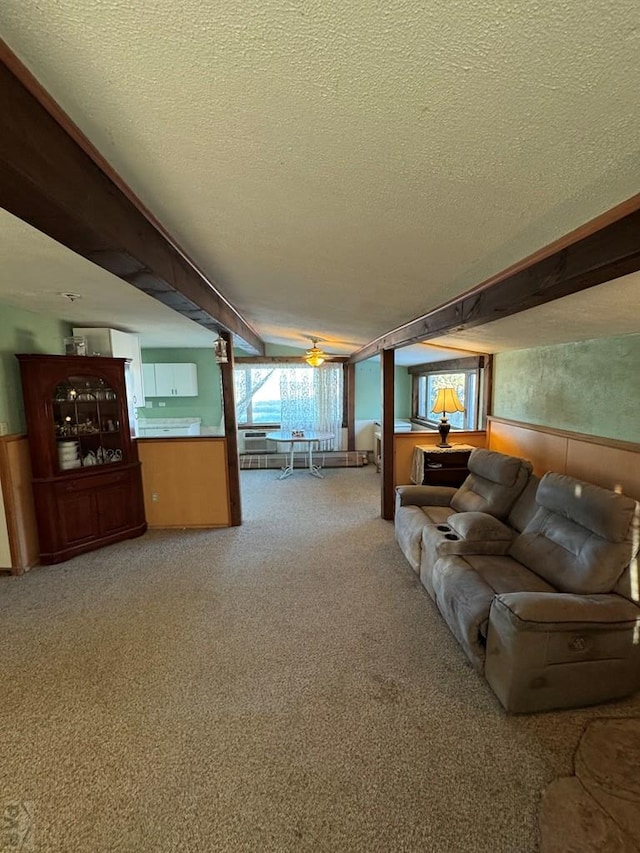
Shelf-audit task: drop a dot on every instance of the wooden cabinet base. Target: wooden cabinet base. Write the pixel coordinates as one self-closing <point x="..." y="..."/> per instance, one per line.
<point x="82" y="512"/>
<point x="94" y="544"/>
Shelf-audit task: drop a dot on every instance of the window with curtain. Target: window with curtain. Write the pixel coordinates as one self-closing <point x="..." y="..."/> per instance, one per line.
<point x="465" y="376"/>
<point x="465" y="385"/>
<point x="291" y="396"/>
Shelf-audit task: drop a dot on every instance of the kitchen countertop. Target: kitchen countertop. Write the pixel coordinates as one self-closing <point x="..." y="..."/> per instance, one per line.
<point x="179" y="437"/>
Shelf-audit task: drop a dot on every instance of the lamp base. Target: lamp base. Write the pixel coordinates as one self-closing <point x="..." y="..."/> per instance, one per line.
<point x="443" y="428"/>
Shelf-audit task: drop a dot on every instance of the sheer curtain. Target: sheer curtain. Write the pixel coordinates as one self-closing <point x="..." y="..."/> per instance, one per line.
<point x="311" y="399"/>
<point x="246" y="387"/>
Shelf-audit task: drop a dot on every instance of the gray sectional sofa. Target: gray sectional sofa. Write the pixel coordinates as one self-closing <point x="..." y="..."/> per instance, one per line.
<point x="545" y="598"/>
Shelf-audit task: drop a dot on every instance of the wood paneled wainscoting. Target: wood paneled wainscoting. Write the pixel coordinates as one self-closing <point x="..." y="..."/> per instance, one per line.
<point x="605" y="462"/>
<point x="19" y="546"/>
<point x="405" y="442"/>
<point x="185" y="481"/>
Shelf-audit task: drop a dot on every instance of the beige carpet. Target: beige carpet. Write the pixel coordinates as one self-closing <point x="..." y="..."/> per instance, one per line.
<point x="283" y="686"/>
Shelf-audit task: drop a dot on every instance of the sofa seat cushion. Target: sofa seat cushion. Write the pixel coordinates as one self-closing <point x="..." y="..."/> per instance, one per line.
<point x="464" y="600"/>
<point x="504" y="575"/>
<point x="410" y="521"/>
<point x="566" y="611"/>
<point x="465" y="588"/>
<point x="463" y="533"/>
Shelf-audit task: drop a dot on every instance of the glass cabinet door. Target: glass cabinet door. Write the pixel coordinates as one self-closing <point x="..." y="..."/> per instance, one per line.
<point x="86" y="423"/>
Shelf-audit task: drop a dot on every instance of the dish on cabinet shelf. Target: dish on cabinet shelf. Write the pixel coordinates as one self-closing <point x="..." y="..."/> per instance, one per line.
<point x="67" y="464"/>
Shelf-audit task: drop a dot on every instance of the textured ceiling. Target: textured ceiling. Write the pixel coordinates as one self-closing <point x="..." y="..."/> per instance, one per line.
<point x="579" y="317"/>
<point x="35" y="270"/>
<point x="340" y="168"/>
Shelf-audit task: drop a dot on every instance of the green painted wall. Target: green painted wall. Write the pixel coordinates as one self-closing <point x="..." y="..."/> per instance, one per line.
<point x="207" y="405"/>
<point x="590" y="386"/>
<point x="369" y="391"/>
<point x="402" y="393"/>
<point x="23" y="331"/>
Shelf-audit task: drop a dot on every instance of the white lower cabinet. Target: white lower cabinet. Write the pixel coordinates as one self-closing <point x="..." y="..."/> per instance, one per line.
<point x="178" y="379"/>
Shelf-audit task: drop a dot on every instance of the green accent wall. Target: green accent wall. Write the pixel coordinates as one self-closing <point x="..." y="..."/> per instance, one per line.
<point x="369" y="391"/>
<point x="23" y="331"/>
<point x="590" y="386"/>
<point x="207" y="405"/>
<point x="402" y="393"/>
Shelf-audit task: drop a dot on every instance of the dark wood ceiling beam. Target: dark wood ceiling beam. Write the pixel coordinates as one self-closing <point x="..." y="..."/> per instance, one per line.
<point x="470" y="363"/>
<point x="52" y="178"/>
<point x="600" y="251"/>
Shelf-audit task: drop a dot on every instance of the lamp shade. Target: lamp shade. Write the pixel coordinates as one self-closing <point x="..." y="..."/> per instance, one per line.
<point x="447" y="401"/>
<point x="314" y="356"/>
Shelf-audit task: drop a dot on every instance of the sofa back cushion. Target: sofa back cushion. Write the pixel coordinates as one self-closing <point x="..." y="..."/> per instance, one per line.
<point x="581" y="536"/>
<point x="525" y="506"/>
<point x="494" y="483"/>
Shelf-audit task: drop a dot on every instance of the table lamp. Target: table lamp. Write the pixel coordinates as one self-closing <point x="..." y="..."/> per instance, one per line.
<point x="446" y="401"/>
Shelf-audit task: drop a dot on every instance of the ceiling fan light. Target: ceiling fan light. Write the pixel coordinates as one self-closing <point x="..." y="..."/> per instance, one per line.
<point x="314" y="356"/>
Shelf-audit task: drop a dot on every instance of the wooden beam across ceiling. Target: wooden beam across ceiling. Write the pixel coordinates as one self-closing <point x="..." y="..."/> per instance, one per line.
<point x="599" y="251"/>
<point x="52" y="177"/>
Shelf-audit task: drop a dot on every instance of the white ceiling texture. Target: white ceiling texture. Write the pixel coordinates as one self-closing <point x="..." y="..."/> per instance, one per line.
<point x="338" y="169"/>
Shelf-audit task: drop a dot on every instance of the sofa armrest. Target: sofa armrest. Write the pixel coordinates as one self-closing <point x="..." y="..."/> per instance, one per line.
<point x="544" y="611"/>
<point x="560" y="650"/>
<point x="479" y="527"/>
<point x="424" y="495"/>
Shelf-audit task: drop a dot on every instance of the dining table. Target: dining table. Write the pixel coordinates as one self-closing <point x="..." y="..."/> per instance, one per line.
<point x="309" y="438"/>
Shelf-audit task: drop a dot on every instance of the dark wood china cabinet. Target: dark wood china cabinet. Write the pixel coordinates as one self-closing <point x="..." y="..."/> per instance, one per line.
<point x="87" y="483"/>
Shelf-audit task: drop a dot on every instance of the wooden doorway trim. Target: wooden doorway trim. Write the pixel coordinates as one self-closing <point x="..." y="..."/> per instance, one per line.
<point x="388" y="421"/>
<point x="231" y="433"/>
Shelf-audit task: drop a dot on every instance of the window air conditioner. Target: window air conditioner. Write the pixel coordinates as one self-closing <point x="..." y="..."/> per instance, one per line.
<point x="255" y="442"/>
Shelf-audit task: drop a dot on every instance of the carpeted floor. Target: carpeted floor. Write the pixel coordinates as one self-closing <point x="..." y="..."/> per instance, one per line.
<point x="283" y="686"/>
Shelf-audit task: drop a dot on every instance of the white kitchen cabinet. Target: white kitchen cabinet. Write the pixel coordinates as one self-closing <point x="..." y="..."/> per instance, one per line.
<point x="111" y="342"/>
<point x="178" y="379"/>
<point x="149" y="378"/>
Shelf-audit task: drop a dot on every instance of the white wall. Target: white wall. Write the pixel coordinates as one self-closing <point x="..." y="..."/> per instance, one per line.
<point x="364" y="434"/>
